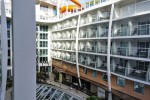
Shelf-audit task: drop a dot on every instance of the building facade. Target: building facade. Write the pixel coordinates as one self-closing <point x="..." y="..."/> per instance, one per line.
<point x="105" y="45"/>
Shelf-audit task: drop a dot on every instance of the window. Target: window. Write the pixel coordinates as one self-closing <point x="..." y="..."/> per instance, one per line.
<point x="8" y="24"/>
<point x="8" y="62"/>
<point x="44" y="8"/>
<point x="43" y="59"/>
<point x="43" y="44"/>
<point x="8" y="43"/>
<point x="8" y="33"/>
<point x="43" y="36"/>
<point x="94" y="73"/>
<point x="104" y="77"/>
<point x="120" y="81"/>
<point x="85" y="70"/>
<point x="43" y="52"/>
<point x="8" y="53"/>
<point x="139" y="87"/>
<point x="44" y="28"/>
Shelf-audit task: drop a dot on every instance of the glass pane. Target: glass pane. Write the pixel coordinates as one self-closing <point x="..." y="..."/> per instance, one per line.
<point x="120" y="81"/>
<point x="57" y="95"/>
<point x="65" y="97"/>
<point x="139" y="87"/>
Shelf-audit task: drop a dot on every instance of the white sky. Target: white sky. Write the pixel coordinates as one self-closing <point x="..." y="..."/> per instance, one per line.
<point x="82" y="1"/>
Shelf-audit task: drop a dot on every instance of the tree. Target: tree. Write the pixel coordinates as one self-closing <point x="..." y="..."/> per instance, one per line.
<point x="93" y="98"/>
<point x="42" y="77"/>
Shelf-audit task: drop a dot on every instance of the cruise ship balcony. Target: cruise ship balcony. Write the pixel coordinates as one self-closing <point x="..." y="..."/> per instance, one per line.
<point x="134" y="69"/>
<point x="94" y="2"/>
<point x="69" y="57"/>
<point x="88" y="63"/>
<point x="132" y="52"/>
<point x="131" y="8"/>
<point x="131" y="73"/>
<point x="93" y="49"/>
<point x="119" y="69"/>
<point x="83" y="61"/>
<point x="68" y="46"/>
<point x="103" y="66"/>
<point x="88" y="60"/>
<point x="56" y="55"/>
<point x="91" y="18"/>
<point x="138" y="74"/>
<point x="136" y="30"/>
<point x="94" y="34"/>
<point x="56" y="45"/>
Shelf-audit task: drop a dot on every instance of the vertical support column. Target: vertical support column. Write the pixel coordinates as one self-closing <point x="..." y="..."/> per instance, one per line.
<point x="24" y="49"/>
<point x="77" y="64"/>
<point x="109" y="48"/>
<point x="4" y="49"/>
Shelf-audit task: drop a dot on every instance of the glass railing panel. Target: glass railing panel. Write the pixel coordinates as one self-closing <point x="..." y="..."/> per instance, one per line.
<point x="103" y="66"/>
<point x="137" y="74"/>
<point x="102" y="49"/>
<point x="118" y="69"/>
<point x="92" y="64"/>
<point x="120" y="51"/>
<point x="140" y="52"/>
<point x="123" y="31"/>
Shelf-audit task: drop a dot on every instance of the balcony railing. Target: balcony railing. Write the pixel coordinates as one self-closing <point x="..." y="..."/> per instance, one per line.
<point x="94" y="49"/>
<point x="103" y="66"/>
<point x="63" y="37"/>
<point x="137" y="30"/>
<point x="94" y="18"/>
<point x="131" y="73"/>
<point x="95" y="34"/>
<point x="69" y="59"/>
<point x="83" y="62"/>
<point x="132" y="52"/>
<point x="83" y="35"/>
<point x="94" y="2"/>
<point x="138" y="74"/>
<point x="133" y="9"/>
<point x="118" y="69"/>
<point x="57" y="47"/>
<point x="91" y="64"/>
<point x="56" y="56"/>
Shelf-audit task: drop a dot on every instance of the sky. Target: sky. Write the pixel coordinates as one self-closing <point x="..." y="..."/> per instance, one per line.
<point x="83" y="1"/>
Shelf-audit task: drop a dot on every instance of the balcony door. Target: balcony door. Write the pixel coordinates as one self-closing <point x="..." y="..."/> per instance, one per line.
<point x="143" y="28"/>
<point x="123" y="62"/>
<point x="124" y="29"/>
<point x="143" y="48"/>
<point x="123" y="48"/>
<point x="142" y="65"/>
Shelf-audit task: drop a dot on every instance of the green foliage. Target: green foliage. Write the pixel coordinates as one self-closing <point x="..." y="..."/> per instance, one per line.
<point x="93" y="98"/>
<point x="41" y="77"/>
<point x="9" y="83"/>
